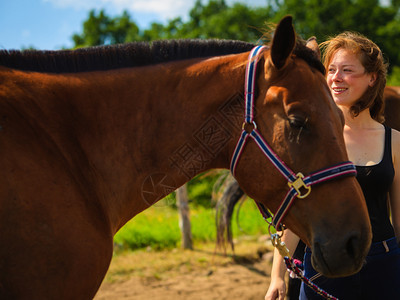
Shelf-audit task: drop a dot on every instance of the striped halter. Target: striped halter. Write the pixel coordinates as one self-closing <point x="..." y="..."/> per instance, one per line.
<point x="299" y="185"/>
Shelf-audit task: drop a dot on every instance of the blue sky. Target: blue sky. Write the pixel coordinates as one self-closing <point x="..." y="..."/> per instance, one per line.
<point x="50" y="24"/>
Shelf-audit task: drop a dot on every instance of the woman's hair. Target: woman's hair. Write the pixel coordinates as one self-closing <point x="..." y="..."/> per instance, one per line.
<point x="372" y="59"/>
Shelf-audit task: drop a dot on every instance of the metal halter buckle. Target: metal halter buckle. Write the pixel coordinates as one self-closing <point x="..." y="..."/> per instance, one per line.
<point x="280" y="245"/>
<point x="299" y="184"/>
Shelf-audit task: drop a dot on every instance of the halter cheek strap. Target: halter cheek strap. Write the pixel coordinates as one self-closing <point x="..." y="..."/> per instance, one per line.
<point x="299" y="185"/>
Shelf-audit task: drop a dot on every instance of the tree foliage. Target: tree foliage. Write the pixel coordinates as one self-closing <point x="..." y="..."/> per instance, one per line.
<point x="100" y="29"/>
<point x="327" y="18"/>
<point x="215" y="19"/>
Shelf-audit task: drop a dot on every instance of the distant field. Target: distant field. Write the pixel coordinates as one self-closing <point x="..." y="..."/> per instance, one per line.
<point x="158" y="227"/>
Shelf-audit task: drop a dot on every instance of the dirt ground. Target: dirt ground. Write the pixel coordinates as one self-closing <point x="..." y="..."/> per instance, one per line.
<point x="198" y="274"/>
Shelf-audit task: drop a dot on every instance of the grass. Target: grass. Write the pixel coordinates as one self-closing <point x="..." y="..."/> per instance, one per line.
<point x="158" y="227"/>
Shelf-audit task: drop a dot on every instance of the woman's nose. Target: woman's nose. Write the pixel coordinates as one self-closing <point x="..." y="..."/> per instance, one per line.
<point x="337" y="76"/>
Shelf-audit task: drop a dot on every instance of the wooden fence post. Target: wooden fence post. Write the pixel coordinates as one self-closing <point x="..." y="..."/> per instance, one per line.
<point x="184" y="218"/>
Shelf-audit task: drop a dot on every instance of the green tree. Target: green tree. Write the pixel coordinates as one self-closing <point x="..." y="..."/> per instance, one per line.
<point x="216" y="19"/>
<point x="94" y="30"/>
<point x="100" y="29"/>
<point x="122" y="29"/>
<point x="326" y="18"/>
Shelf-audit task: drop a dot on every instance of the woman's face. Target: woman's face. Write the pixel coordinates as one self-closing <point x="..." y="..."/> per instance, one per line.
<point x="347" y="78"/>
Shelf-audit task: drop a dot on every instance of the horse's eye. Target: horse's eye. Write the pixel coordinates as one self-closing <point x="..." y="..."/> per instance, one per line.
<point x="296" y="122"/>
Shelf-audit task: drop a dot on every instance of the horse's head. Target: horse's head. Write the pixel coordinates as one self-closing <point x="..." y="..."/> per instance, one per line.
<point x="299" y="120"/>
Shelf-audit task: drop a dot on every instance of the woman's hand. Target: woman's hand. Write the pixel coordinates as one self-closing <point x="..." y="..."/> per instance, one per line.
<point x="276" y="290"/>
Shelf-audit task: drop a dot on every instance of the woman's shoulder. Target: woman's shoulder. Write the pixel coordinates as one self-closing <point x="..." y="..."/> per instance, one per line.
<point x="396" y="144"/>
<point x="395" y="134"/>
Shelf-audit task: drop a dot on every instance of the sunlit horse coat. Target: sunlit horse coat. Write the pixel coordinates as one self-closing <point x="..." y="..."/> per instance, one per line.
<point x="89" y="138"/>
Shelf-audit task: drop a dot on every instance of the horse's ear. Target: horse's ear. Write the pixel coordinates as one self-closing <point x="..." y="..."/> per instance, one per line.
<point x="313" y="45"/>
<point x="283" y="42"/>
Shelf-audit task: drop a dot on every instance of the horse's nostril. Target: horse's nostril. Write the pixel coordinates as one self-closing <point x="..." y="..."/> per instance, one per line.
<point x="352" y="245"/>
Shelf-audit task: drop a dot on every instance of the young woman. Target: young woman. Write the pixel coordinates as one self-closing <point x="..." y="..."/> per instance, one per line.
<point x="356" y="76"/>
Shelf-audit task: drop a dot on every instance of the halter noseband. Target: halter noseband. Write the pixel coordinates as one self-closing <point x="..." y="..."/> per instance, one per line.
<point x="299" y="185"/>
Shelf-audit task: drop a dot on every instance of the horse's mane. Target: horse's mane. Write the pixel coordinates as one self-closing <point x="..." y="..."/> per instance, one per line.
<point x="130" y="55"/>
<point x="118" y="56"/>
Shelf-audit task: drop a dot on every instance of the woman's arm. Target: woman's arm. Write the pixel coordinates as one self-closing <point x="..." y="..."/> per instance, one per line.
<point x="277" y="287"/>
<point x="395" y="189"/>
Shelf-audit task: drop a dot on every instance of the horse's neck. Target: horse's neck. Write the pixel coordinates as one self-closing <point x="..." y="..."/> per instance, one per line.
<point x="143" y="132"/>
<point x="188" y="108"/>
<point x="184" y="124"/>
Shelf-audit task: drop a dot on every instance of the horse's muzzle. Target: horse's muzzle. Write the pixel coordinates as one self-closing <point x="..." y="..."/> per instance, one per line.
<point x="343" y="256"/>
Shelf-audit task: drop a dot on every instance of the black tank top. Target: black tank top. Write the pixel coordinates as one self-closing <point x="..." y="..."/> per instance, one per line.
<point x="375" y="181"/>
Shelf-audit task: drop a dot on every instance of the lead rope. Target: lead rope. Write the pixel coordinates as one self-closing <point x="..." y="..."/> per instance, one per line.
<point x="291" y="266"/>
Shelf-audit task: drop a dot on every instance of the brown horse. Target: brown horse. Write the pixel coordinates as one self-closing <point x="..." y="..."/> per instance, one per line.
<point x="392" y="106"/>
<point x="90" y="138"/>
